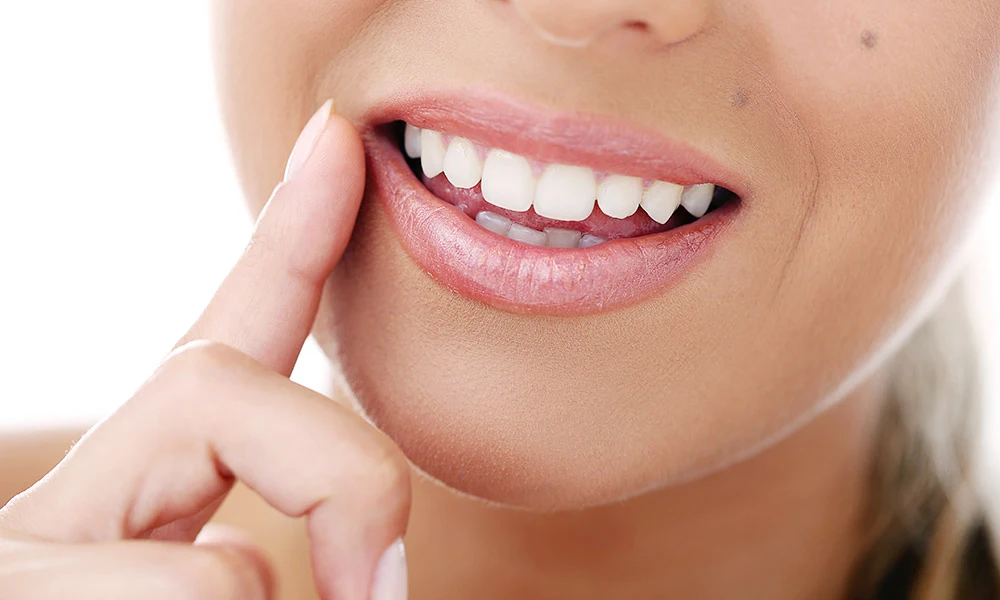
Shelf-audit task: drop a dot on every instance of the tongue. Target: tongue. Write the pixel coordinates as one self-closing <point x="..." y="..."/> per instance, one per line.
<point x="471" y="202"/>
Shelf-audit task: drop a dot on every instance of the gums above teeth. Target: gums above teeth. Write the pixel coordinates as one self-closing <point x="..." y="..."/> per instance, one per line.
<point x="555" y="191"/>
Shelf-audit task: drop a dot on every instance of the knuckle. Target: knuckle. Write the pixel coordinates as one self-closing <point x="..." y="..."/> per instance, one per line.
<point x="199" y="362"/>
<point x="184" y="376"/>
<point x="386" y="473"/>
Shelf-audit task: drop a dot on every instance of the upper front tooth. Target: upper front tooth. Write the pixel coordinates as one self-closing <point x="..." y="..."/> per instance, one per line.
<point x="508" y="181"/>
<point x="618" y="196"/>
<point x="566" y="193"/>
<point x="462" y="165"/>
<point x="697" y="198"/>
<point x="431" y="153"/>
<point x="661" y="199"/>
<point x="411" y="141"/>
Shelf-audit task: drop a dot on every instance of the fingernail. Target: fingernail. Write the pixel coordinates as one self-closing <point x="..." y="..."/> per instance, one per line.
<point x="390" y="574"/>
<point x="306" y="143"/>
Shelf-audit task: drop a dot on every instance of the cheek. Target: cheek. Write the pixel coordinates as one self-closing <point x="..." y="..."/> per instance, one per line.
<point x="898" y="100"/>
<point x="900" y="125"/>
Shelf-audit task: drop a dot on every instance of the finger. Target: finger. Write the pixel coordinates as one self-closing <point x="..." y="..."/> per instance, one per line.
<point x="212" y="414"/>
<point x="216" y="535"/>
<point x="128" y="570"/>
<point x="267" y="304"/>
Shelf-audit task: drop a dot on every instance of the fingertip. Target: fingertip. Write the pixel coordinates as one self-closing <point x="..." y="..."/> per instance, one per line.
<point x="311" y="216"/>
<point x="342" y="153"/>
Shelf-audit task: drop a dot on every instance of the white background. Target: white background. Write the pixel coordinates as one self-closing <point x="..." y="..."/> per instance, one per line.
<point x="120" y="209"/>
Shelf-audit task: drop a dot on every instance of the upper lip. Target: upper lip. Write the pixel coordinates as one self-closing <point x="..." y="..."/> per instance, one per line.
<point x="544" y="134"/>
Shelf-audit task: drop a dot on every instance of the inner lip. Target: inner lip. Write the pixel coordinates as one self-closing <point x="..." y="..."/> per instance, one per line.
<point x="601" y="227"/>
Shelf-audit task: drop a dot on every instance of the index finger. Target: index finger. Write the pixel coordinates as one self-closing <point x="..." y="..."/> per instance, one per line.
<point x="267" y="304"/>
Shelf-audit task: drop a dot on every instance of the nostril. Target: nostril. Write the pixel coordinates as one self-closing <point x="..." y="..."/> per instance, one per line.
<point x="641" y="26"/>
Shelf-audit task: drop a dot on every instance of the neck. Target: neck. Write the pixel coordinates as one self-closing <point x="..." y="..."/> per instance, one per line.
<point x="786" y="523"/>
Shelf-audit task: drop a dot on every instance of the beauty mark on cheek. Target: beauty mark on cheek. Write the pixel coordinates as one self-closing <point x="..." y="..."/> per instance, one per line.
<point x="739" y="99"/>
<point x="869" y="39"/>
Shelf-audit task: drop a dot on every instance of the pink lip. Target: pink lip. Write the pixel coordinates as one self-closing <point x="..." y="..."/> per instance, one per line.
<point x="517" y="277"/>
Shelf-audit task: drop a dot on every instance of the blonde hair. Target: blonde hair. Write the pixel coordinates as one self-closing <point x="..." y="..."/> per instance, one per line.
<point x="930" y="536"/>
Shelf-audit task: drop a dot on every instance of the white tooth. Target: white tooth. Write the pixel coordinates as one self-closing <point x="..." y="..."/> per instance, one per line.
<point x="462" y="165"/>
<point x="566" y="193"/>
<point x="431" y="153"/>
<point x="411" y="141"/>
<point x="562" y="238"/>
<point x="590" y="240"/>
<point x="619" y="196"/>
<point x="508" y="181"/>
<point x="494" y="222"/>
<point x="661" y="199"/>
<point x="527" y="235"/>
<point x="697" y="198"/>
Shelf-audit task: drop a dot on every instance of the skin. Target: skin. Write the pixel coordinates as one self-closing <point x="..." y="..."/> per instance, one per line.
<point x="712" y="439"/>
<point x="862" y="129"/>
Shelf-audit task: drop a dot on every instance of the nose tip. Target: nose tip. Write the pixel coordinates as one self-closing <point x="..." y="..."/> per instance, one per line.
<point x="581" y="22"/>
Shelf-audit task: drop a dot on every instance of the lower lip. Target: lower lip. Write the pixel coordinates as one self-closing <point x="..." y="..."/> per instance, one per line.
<point x="520" y="278"/>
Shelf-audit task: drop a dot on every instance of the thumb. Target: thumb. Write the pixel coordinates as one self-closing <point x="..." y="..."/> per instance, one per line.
<point x="239" y="542"/>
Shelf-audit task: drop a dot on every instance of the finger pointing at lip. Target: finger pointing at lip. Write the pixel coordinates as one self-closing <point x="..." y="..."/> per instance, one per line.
<point x="267" y="304"/>
<point x="221" y="409"/>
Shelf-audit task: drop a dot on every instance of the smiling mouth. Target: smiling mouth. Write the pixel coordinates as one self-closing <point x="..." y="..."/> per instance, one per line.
<point x="549" y="204"/>
<point x="534" y="211"/>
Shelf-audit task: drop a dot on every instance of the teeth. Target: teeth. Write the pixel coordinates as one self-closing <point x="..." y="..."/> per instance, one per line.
<point x="562" y="238"/>
<point x="697" y="198"/>
<point x="566" y="193"/>
<point x="462" y="165"/>
<point x="520" y="233"/>
<point x="494" y="222"/>
<point x="553" y="237"/>
<point x="432" y="153"/>
<point x="411" y="141"/>
<point x="619" y="196"/>
<point x="562" y="193"/>
<point x="508" y="181"/>
<point x="661" y="199"/>
<point x="590" y="240"/>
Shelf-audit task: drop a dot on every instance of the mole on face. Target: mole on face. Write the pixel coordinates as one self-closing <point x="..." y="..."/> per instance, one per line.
<point x="739" y="99"/>
<point x="869" y="39"/>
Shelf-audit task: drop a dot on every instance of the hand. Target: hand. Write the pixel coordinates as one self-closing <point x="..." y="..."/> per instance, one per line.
<point x="120" y="517"/>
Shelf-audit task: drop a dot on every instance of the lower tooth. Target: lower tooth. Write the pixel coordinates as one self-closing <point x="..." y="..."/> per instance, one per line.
<point x="590" y="240"/>
<point x="527" y="235"/>
<point x="493" y="222"/>
<point x="562" y="238"/>
<point x="552" y="237"/>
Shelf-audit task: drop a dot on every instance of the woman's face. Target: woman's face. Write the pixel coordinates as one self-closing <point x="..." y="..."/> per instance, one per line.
<point x="858" y="134"/>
